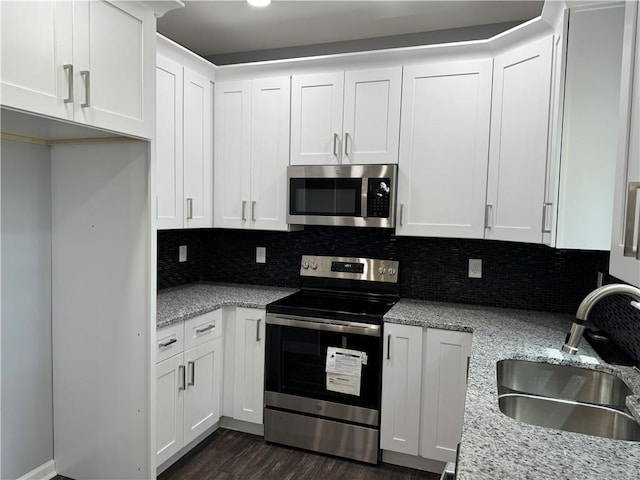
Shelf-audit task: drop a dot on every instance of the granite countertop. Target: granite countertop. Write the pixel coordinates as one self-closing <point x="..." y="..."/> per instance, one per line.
<point x="496" y="447"/>
<point x="181" y="303"/>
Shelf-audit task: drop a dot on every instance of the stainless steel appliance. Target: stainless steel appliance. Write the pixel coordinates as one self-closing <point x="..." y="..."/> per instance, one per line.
<point x="344" y="195"/>
<point x="323" y="371"/>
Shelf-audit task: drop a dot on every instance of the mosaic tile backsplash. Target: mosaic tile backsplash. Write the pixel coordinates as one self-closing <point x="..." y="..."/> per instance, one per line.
<point x="514" y="275"/>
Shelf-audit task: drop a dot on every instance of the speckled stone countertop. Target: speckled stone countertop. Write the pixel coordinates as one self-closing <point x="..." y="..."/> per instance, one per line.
<point x="496" y="447"/>
<point x="181" y="303"/>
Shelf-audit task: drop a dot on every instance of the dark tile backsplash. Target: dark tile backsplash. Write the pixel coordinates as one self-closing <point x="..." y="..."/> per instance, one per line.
<point x="514" y="275"/>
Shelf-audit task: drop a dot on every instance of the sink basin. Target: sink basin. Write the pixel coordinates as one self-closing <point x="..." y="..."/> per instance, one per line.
<point x="570" y="416"/>
<point x="561" y="382"/>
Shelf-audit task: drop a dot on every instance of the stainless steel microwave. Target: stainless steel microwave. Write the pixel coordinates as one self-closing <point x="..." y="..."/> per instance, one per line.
<point x="345" y="195"/>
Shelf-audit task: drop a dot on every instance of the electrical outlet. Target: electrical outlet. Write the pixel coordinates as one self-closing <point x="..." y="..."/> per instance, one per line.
<point x="182" y="253"/>
<point x="475" y="268"/>
<point x="261" y="255"/>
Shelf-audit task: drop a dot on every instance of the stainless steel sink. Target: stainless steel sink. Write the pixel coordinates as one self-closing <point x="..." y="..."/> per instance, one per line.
<point x="570" y="416"/>
<point x="562" y="382"/>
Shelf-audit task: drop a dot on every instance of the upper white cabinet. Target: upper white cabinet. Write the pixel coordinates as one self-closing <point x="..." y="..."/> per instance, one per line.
<point x="518" y="143"/>
<point x="623" y="263"/>
<point x="183" y="146"/>
<point x="86" y="61"/>
<point x="444" y="148"/>
<point x="251" y="153"/>
<point x="350" y="118"/>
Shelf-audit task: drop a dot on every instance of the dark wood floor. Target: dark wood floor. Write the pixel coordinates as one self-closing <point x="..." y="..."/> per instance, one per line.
<point x="229" y="455"/>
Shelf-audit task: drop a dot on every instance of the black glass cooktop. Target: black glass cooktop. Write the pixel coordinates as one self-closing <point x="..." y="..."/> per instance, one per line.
<point x="339" y="306"/>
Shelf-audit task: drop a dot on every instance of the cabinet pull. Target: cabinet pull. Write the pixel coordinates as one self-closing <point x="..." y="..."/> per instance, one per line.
<point x="206" y="329"/>
<point x="389" y="347"/>
<point x="546" y="227"/>
<point x="346" y="143"/>
<point x="192" y="373"/>
<point x="167" y="343"/>
<point x="468" y="361"/>
<point x="401" y="213"/>
<point x="87" y="88"/>
<point x="68" y="68"/>
<point x="335" y="145"/>
<point x="189" y="208"/>
<point x="488" y="215"/>
<point x="244" y="205"/>
<point x="630" y="220"/>
<point x="181" y="375"/>
<point x="253" y="211"/>
<point x="258" y="329"/>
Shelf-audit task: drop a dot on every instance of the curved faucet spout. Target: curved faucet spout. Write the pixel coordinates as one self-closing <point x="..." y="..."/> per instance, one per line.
<point x="574" y="336"/>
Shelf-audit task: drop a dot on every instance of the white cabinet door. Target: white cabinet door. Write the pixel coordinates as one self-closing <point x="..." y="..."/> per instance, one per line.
<point x="444" y="385"/>
<point x="169" y="407"/>
<point x="114" y="56"/>
<point x="198" y="150"/>
<point x="204" y="388"/>
<point x="37" y="44"/>
<point x="248" y="389"/>
<point x="371" y="116"/>
<point x="232" y="153"/>
<point x="316" y="118"/>
<point x="270" y="100"/>
<point x="401" y="378"/>
<point x="444" y="144"/>
<point x="518" y="144"/>
<point x="626" y="211"/>
<point x="168" y="144"/>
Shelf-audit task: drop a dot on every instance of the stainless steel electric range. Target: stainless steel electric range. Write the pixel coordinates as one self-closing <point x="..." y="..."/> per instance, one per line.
<point x="323" y="372"/>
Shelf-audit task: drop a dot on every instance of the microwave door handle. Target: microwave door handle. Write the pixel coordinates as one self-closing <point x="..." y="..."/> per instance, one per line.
<point x="363" y="197"/>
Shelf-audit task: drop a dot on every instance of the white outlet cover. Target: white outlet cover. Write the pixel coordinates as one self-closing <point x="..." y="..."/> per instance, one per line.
<point x="261" y="255"/>
<point x="182" y="253"/>
<point x="475" y="268"/>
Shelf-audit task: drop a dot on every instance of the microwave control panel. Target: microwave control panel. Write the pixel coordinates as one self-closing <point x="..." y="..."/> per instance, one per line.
<point x="378" y="197"/>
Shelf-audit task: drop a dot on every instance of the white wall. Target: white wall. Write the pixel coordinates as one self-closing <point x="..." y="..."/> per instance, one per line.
<point x="27" y="412"/>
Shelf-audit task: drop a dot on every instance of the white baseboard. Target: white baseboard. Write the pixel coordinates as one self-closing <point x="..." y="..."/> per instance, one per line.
<point x="411" y="461"/>
<point x="46" y="471"/>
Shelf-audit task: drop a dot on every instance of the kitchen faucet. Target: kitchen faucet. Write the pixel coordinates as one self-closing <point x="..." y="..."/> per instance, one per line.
<point x="573" y="337"/>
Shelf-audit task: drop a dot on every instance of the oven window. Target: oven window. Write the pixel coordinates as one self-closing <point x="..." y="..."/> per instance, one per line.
<point x="296" y="360"/>
<point x="326" y="196"/>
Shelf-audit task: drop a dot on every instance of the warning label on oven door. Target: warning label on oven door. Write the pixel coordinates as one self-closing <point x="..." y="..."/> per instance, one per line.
<point x="344" y="370"/>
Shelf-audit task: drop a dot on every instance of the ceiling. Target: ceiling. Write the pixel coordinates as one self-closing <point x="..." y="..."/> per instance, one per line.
<point x="219" y="27"/>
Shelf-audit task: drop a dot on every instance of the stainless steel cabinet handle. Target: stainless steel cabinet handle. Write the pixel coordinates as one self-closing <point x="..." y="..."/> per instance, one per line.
<point x="630" y="221"/>
<point x="546" y="223"/>
<point x="401" y="213"/>
<point x="244" y="205"/>
<point x="168" y="342"/>
<point x="346" y="144"/>
<point x="87" y="88"/>
<point x="335" y="145"/>
<point x="468" y="361"/>
<point x="189" y="208"/>
<point x="488" y="215"/>
<point x="68" y="68"/>
<point x="192" y="373"/>
<point x="181" y="375"/>
<point x="258" y="329"/>
<point x="389" y="347"/>
<point x="253" y="211"/>
<point x="206" y="329"/>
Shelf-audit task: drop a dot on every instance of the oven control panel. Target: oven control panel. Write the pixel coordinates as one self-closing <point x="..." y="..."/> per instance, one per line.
<point x="352" y="268"/>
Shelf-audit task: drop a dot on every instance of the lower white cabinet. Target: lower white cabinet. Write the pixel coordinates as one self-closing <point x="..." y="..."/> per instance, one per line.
<point x="424" y="380"/>
<point x="188" y="384"/>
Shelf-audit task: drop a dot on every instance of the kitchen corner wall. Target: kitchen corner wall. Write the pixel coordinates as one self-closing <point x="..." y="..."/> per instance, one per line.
<point x="514" y="275"/>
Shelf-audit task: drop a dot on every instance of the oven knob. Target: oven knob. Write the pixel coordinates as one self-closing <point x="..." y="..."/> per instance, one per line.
<point x="382" y="270"/>
<point x="392" y="271"/>
<point x="305" y="265"/>
<point x="314" y="266"/>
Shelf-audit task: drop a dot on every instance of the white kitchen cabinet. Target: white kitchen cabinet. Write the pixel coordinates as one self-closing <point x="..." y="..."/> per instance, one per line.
<point x="169" y="407"/>
<point x="623" y="262"/>
<point x="346" y="118"/>
<point x="518" y="143"/>
<point x="444" y="148"/>
<point x="183" y="146"/>
<point x="86" y="61"/>
<point x="445" y="369"/>
<point x="401" y="384"/>
<point x="251" y="153"/>
<point x="248" y="390"/>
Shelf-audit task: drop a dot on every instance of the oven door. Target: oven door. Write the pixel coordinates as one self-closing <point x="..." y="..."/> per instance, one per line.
<point x="296" y="359"/>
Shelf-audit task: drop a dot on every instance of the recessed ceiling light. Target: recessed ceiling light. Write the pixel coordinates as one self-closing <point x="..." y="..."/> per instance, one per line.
<point x="259" y="3"/>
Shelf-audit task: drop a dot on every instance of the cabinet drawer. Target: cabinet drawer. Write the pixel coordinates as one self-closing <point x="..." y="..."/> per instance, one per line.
<point x="169" y="341"/>
<point x="202" y="328"/>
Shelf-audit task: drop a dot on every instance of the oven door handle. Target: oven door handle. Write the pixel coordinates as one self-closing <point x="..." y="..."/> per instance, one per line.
<point x="324" y="324"/>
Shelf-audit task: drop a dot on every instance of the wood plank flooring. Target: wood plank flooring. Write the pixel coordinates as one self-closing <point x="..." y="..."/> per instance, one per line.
<point x="229" y="455"/>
